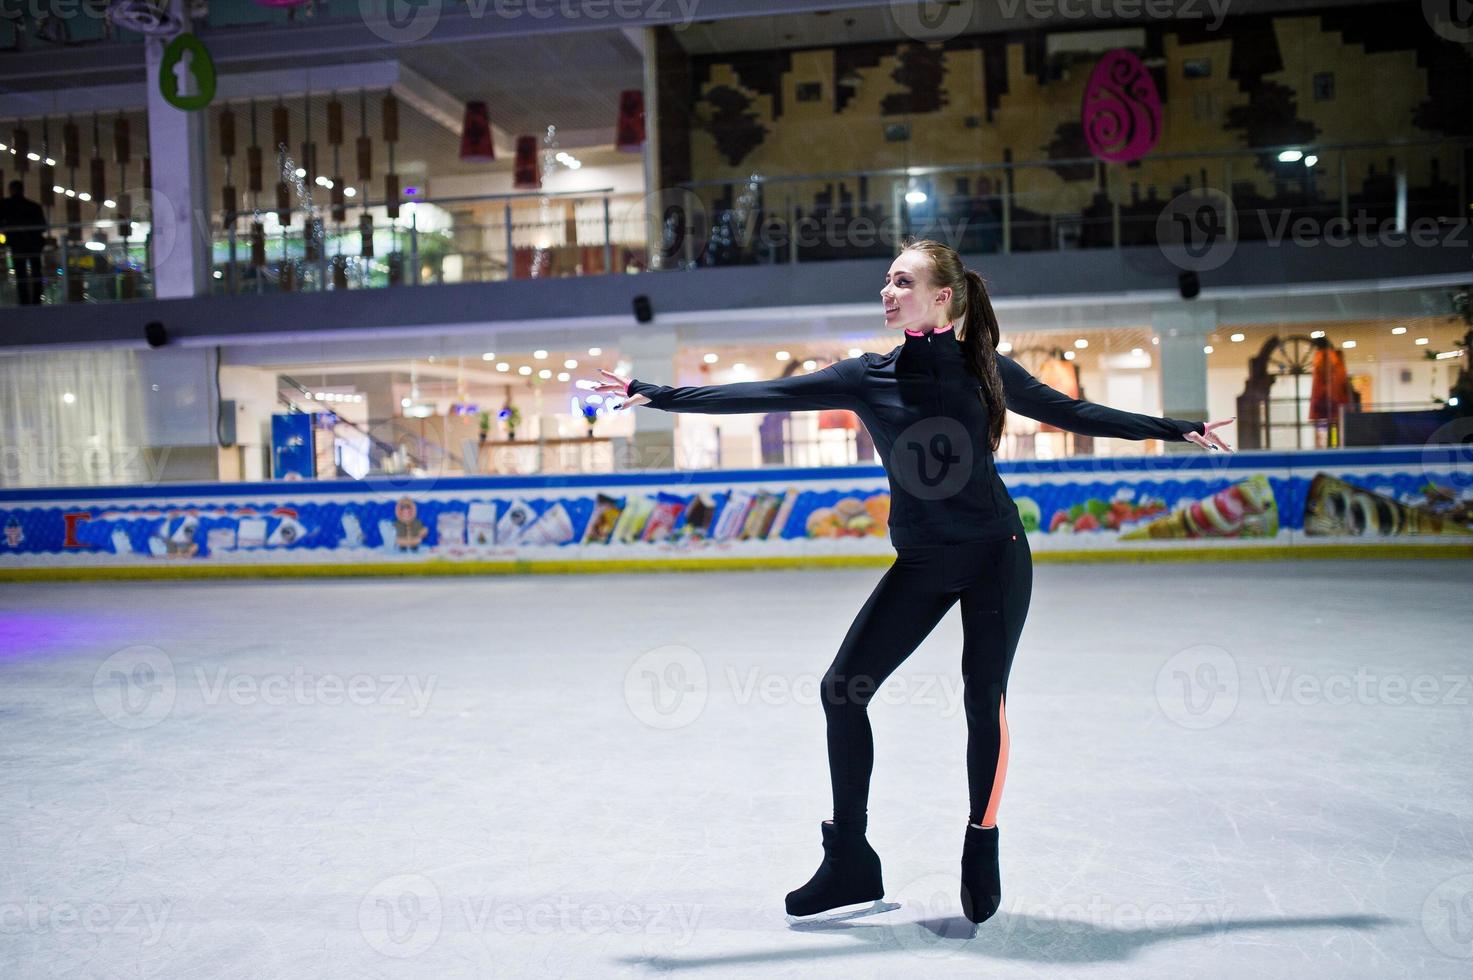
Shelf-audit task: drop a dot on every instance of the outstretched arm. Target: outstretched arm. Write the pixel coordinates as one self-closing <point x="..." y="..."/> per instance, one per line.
<point x="1028" y="396"/>
<point x="836" y="386"/>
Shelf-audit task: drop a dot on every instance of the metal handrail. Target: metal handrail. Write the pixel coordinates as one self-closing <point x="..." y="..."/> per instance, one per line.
<point x="949" y="168"/>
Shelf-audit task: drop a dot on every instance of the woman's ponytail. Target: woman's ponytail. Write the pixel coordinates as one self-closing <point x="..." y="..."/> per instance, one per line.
<point x="979" y="339"/>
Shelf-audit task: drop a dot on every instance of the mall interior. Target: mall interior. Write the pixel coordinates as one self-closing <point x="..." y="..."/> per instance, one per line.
<point x="353" y="624"/>
<point x="427" y="242"/>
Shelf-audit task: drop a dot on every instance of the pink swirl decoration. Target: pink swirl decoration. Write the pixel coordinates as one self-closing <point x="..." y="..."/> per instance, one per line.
<point x="1121" y="109"/>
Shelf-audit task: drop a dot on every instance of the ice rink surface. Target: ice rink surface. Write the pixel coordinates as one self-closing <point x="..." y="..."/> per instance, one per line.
<point x="1237" y="770"/>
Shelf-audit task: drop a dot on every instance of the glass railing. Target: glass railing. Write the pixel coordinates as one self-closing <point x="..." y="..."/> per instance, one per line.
<point x="100" y="261"/>
<point x="465" y="239"/>
<point x="1378" y="193"/>
<point x="1385" y="193"/>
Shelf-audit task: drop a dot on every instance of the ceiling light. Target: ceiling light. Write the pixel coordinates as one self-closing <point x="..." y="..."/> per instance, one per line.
<point x="783" y="355"/>
<point x="524" y="370"/>
<point x="1068" y="355"/>
<point x="1398" y="330"/>
<point x="1207" y="349"/>
<point x="595" y="351"/>
<point x="809" y="364"/>
<point x="710" y="358"/>
<point x="1348" y="345"/>
<point x="541" y="355"/>
<point x="570" y="363"/>
<point x="1081" y="343"/>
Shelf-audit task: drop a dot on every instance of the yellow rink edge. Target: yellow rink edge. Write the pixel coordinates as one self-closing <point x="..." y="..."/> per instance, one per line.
<point x="442" y="567"/>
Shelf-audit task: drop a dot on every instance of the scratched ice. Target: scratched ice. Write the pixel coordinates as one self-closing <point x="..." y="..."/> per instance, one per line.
<point x="1215" y="771"/>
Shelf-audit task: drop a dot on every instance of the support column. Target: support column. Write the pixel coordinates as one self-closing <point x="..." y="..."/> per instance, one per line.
<point x="1183" y="327"/>
<point x="179" y="211"/>
<point x="651" y="353"/>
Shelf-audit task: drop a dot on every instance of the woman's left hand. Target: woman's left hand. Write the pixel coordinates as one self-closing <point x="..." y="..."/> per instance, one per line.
<point x="1208" y="439"/>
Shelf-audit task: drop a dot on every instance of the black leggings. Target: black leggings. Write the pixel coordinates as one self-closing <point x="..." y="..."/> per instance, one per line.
<point x="994" y="581"/>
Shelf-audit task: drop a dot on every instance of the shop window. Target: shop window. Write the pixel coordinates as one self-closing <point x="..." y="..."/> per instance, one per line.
<point x="897" y="132"/>
<point x="1196" y="68"/>
<point x="810" y="91"/>
<point x="1324" y="86"/>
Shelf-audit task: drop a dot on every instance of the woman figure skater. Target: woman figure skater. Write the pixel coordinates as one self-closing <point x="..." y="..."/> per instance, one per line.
<point x="935" y="407"/>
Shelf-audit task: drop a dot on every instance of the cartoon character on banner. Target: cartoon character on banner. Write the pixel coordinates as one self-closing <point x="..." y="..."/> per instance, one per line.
<point x="409" y="530"/>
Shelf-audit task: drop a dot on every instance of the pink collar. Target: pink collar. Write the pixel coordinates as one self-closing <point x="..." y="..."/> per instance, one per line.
<point x="917" y="333"/>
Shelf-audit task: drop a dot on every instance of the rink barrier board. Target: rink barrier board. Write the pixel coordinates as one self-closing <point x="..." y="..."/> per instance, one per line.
<point x="440" y="568"/>
<point x="1265" y="493"/>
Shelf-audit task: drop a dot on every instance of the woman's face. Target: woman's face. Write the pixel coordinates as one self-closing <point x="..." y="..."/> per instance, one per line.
<point x="911" y="302"/>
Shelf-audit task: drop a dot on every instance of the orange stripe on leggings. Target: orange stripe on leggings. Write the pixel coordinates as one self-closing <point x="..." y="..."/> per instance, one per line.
<point x="989" y="819"/>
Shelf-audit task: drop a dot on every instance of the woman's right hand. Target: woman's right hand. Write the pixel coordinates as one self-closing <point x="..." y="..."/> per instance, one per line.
<point x="618" y="386"/>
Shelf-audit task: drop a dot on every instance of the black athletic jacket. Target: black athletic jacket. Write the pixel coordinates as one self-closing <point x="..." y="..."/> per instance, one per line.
<point x="927" y="414"/>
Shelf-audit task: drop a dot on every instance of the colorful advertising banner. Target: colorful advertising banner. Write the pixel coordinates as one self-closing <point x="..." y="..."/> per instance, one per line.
<point x="1268" y="502"/>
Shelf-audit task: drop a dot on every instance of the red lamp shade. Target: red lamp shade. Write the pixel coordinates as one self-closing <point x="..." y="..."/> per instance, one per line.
<point x="630" y="137"/>
<point x="528" y="173"/>
<point x="475" y="135"/>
